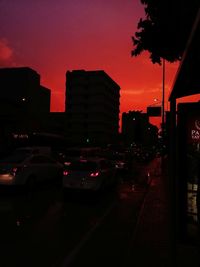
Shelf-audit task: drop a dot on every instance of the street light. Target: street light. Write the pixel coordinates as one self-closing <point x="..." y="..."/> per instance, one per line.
<point x="163" y="94"/>
<point x="163" y="112"/>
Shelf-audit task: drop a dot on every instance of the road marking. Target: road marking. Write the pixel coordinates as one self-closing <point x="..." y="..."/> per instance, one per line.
<point x="71" y="256"/>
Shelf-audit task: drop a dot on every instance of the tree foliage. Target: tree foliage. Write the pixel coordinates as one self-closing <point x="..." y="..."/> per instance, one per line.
<point x="165" y="29"/>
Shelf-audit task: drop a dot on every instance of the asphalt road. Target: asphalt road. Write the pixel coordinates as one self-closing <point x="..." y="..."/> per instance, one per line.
<point x="44" y="229"/>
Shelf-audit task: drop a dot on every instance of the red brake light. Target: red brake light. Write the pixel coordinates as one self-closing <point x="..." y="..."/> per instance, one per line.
<point x="94" y="174"/>
<point x="15" y="170"/>
<point x="65" y="173"/>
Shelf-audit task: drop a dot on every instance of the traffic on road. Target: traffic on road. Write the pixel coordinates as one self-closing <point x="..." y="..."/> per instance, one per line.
<point x="43" y="227"/>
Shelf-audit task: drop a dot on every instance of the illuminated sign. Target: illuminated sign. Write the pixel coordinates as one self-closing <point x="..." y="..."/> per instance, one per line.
<point x="20" y="136"/>
<point x="194" y="130"/>
<point x="195" y="134"/>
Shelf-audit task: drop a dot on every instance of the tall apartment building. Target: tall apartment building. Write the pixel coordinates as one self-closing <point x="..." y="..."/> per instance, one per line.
<point x="92" y="107"/>
<point x="21" y="91"/>
<point x="24" y="102"/>
<point x="137" y="129"/>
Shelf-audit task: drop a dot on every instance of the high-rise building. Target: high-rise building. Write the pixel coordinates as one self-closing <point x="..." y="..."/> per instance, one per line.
<point x="92" y="107"/>
<point x="137" y="129"/>
<point x="24" y="103"/>
<point x="21" y="91"/>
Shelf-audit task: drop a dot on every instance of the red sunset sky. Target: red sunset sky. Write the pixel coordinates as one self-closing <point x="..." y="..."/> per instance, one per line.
<point x="55" y="36"/>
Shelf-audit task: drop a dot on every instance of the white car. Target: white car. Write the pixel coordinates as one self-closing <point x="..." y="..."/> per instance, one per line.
<point x="28" y="169"/>
<point x="89" y="174"/>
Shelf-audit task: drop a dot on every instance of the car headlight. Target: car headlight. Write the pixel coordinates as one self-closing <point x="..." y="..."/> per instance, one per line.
<point x="8" y="177"/>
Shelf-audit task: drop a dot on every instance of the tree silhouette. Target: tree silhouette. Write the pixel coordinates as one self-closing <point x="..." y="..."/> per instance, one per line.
<point x="165" y="29"/>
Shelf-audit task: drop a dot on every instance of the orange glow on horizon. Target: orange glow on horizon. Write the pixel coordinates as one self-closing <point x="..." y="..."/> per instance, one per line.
<point x="139" y="85"/>
<point x="54" y="37"/>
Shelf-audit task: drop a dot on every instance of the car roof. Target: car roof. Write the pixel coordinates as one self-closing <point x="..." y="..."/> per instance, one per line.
<point x="91" y="159"/>
<point x="19" y="158"/>
<point x="34" y="149"/>
<point x="96" y="159"/>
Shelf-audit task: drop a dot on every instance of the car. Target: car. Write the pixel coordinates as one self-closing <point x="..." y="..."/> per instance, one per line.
<point x="120" y="160"/>
<point x="33" y="150"/>
<point x="73" y="153"/>
<point x="93" y="174"/>
<point x="22" y="169"/>
<point x="28" y="150"/>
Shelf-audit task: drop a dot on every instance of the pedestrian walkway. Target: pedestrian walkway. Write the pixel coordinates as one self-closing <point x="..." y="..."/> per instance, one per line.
<point x="150" y="245"/>
<point x="153" y="242"/>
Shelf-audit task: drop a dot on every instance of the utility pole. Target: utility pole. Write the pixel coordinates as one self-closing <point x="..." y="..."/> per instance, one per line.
<point x="163" y="95"/>
<point x="163" y="112"/>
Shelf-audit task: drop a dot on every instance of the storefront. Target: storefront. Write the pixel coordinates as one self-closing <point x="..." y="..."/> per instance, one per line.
<point x="185" y="144"/>
<point x="188" y="171"/>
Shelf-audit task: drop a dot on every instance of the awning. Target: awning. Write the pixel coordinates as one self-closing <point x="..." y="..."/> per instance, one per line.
<point x="187" y="80"/>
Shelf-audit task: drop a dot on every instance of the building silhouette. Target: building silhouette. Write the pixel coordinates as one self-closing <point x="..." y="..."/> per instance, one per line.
<point x="137" y="129"/>
<point x="21" y="89"/>
<point x="92" y="107"/>
<point x="24" y="103"/>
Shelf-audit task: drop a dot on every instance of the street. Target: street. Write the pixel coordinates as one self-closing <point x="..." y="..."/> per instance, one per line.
<point x="45" y="229"/>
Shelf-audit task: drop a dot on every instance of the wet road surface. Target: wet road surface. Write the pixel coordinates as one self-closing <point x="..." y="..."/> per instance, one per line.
<point x="45" y="229"/>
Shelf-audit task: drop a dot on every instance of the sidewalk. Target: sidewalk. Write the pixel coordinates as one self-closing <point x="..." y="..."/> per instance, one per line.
<point x="153" y="243"/>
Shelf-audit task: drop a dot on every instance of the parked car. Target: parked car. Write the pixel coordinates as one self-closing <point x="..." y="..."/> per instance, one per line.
<point x="75" y="153"/>
<point x="24" y="169"/>
<point x="91" y="174"/>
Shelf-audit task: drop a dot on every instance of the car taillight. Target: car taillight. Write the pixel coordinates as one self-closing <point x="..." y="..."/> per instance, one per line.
<point x="15" y="170"/>
<point x="65" y="173"/>
<point x="94" y="174"/>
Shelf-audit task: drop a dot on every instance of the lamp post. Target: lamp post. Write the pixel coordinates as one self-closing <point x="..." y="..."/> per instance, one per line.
<point x="163" y="94"/>
<point x="163" y="113"/>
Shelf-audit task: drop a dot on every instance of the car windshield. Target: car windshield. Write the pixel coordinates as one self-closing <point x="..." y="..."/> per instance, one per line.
<point x="83" y="166"/>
